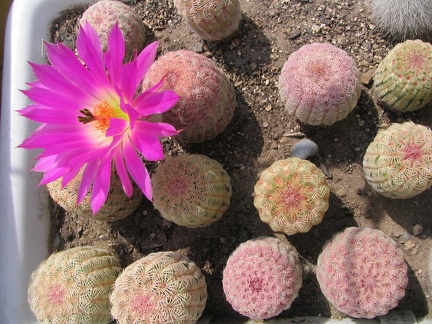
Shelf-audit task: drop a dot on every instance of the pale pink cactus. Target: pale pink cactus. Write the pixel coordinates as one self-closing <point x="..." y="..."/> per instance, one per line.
<point x="212" y="20"/>
<point x="207" y="98"/>
<point x="362" y="272"/>
<point x="319" y="84"/>
<point x="262" y="277"/>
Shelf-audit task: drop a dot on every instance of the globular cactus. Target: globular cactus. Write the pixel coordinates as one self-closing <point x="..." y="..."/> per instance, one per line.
<point x="104" y="14"/>
<point x="212" y="20"/>
<point x="73" y="286"/>
<point x="403" y="19"/>
<point x="191" y="190"/>
<point x="163" y="287"/>
<point x="319" y="84"/>
<point x="398" y="163"/>
<point x="207" y="98"/>
<point x="362" y="272"/>
<point x="117" y="206"/>
<point x="292" y="195"/>
<point x="403" y="79"/>
<point x="262" y="277"/>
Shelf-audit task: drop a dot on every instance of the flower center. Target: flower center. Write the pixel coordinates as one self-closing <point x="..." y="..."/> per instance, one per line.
<point x="101" y="115"/>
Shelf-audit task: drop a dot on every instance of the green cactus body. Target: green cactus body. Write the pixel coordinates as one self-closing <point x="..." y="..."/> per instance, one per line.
<point x="73" y="286"/>
<point x="163" y="287"/>
<point x="403" y="79"/>
<point x="191" y="190"/>
<point x="292" y="195"/>
<point x="212" y="20"/>
<point x="104" y="14"/>
<point x="117" y="206"/>
<point x="398" y="163"/>
<point x="207" y="99"/>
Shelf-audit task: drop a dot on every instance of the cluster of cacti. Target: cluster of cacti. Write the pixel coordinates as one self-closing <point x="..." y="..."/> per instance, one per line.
<point x="104" y="14"/>
<point x="207" y="98"/>
<point x="403" y="19"/>
<point x="319" y="84"/>
<point x="73" y="286"/>
<point x="118" y="205"/>
<point x="191" y="190"/>
<point x="163" y="287"/>
<point x="403" y="79"/>
<point x="292" y="195"/>
<point x="212" y="20"/>
<point x="262" y="277"/>
<point x="398" y="163"/>
<point x="362" y="272"/>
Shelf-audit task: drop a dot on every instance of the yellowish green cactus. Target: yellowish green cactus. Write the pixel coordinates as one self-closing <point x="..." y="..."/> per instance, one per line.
<point x="292" y="195"/>
<point x="191" y="190"/>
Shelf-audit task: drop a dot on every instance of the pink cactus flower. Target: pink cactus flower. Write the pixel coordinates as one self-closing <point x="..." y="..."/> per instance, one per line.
<point x="93" y="118"/>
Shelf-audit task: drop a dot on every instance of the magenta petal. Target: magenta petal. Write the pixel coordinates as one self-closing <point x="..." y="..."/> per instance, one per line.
<point x="122" y="173"/>
<point x="42" y="114"/>
<point x="137" y="169"/>
<point x="157" y="103"/>
<point x="156" y="129"/>
<point x="69" y="176"/>
<point x="128" y="85"/>
<point x="144" y="60"/>
<point x="117" y="126"/>
<point x="132" y="113"/>
<point x="101" y="186"/>
<point x="148" y="145"/>
<point x="56" y="101"/>
<point x="87" y="179"/>
<point x="44" y="164"/>
<point x="114" y="55"/>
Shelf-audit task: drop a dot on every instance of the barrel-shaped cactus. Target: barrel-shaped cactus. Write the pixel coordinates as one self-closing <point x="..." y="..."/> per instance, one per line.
<point x="192" y="190"/>
<point x="212" y="20"/>
<point x="398" y="163"/>
<point x="73" y="286"/>
<point x="292" y="195"/>
<point x="163" y="287"/>
<point x="403" y="79"/>
<point x="207" y="99"/>
<point x="362" y="272"/>
<point x="319" y="84"/>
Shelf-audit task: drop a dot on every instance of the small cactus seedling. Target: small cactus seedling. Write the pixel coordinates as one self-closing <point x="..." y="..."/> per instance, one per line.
<point x="398" y="163"/>
<point x="292" y="195"/>
<point x="117" y="206"/>
<point x="403" y="19"/>
<point x="191" y="190"/>
<point x="104" y="14"/>
<point x="262" y="277"/>
<point x="403" y="79"/>
<point x="362" y="272"/>
<point x="319" y="84"/>
<point x="73" y="286"/>
<point x="207" y="98"/>
<point x="212" y="20"/>
<point x="163" y="287"/>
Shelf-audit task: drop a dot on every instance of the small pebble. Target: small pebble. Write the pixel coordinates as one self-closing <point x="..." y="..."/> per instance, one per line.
<point x="304" y="149"/>
<point x="417" y="229"/>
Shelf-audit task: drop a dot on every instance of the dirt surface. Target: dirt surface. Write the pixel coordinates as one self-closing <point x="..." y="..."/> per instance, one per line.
<point x="260" y="133"/>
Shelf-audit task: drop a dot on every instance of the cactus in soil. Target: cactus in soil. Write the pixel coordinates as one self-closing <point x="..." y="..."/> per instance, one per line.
<point x="319" y="84"/>
<point x="262" y="277"/>
<point x="104" y="14"/>
<point x="191" y="190"/>
<point x="292" y="195"/>
<point x="73" y="286"/>
<point x="403" y="79"/>
<point x="362" y="272"/>
<point x="117" y="206"/>
<point x="212" y="20"/>
<point x="403" y="19"/>
<point x="207" y="98"/>
<point x="163" y="287"/>
<point x="398" y="163"/>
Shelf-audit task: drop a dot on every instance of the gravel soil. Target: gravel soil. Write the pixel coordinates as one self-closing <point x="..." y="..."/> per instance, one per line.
<point x="260" y="133"/>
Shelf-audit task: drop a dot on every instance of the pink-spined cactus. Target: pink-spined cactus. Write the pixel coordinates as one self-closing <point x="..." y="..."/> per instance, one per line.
<point x="403" y="79"/>
<point x="398" y="163"/>
<point x="207" y="99"/>
<point x="362" y="272"/>
<point x="262" y="277"/>
<point x="73" y="286"/>
<point x="292" y="195"/>
<point x="212" y="20"/>
<point x="319" y="84"/>
<point x="191" y="190"/>
<point x="163" y="287"/>
<point x="117" y="206"/>
<point x="104" y="14"/>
